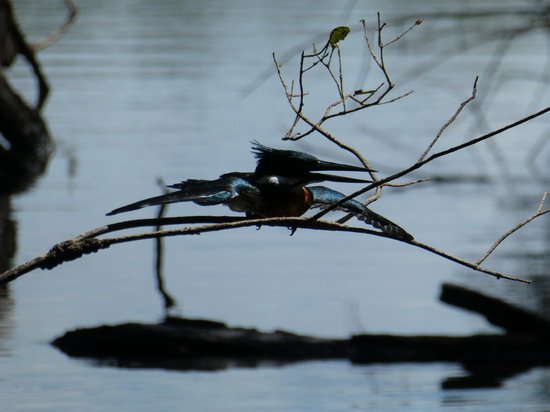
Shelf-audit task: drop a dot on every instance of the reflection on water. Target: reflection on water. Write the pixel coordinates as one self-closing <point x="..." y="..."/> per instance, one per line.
<point x="144" y="89"/>
<point x="7" y="252"/>
<point x="6" y="320"/>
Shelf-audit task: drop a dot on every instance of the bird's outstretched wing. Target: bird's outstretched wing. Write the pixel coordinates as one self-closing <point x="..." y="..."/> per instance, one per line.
<point x="202" y="192"/>
<point x="272" y="161"/>
<point x="323" y="196"/>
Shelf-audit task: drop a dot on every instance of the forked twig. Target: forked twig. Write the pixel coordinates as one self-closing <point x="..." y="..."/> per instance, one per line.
<point x="373" y="98"/>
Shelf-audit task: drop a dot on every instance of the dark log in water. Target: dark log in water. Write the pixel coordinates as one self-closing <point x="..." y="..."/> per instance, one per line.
<point x="497" y="312"/>
<point x="186" y="344"/>
<point x="463" y="349"/>
<point x="194" y="344"/>
<point x="136" y="343"/>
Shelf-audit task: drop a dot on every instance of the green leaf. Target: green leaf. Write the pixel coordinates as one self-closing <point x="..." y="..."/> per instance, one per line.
<point x="339" y="33"/>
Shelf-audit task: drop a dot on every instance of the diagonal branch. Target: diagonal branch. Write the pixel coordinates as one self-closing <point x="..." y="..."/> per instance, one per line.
<point x="437" y="155"/>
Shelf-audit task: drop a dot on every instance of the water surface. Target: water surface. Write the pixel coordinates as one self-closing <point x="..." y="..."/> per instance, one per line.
<point x="144" y="89"/>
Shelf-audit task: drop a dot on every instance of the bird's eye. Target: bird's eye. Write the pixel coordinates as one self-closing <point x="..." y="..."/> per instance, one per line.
<point x="273" y="180"/>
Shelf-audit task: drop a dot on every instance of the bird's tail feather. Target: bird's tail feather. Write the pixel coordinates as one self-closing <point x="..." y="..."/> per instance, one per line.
<point x="324" y="196"/>
<point x="386" y="225"/>
<point x="156" y="200"/>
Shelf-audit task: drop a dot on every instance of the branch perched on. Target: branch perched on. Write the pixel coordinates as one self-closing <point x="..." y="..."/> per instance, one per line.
<point x="89" y="242"/>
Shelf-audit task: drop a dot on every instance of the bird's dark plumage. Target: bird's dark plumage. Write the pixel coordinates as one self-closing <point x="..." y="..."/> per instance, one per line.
<point x="290" y="162"/>
<point x="277" y="188"/>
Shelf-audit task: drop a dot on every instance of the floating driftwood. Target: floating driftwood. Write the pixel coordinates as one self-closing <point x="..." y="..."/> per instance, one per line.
<point x="504" y="315"/>
<point x="179" y="343"/>
<point x="185" y="344"/>
<point x="178" y="337"/>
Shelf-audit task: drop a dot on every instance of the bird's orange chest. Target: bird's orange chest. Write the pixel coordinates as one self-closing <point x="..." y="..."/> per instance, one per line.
<point x="286" y="203"/>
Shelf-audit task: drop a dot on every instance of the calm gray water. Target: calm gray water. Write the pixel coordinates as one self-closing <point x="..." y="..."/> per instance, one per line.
<point x="144" y="89"/>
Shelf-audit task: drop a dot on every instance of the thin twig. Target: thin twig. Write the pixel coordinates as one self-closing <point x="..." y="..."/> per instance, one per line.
<point x="72" y="11"/>
<point x="327" y="66"/>
<point x="369" y="45"/>
<point x="361" y="104"/>
<point x="450" y="121"/>
<point x="290" y="96"/>
<point x="538" y="213"/>
<point x="341" y="88"/>
<point x="416" y="23"/>
<point x="395" y="98"/>
<point x="407" y="184"/>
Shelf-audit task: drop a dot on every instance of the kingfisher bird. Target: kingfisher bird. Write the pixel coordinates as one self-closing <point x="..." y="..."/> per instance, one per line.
<point x="278" y="187"/>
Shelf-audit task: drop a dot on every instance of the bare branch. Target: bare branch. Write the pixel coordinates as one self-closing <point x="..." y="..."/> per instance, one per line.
<point x="407" y="184"/>
<point x="450" y="121"/>
<point x="396" y="98"/>
<point x="339" y="85"/>
<point x="431" y="158"/>
<point x="369" y="45"/>
<point x="341" y="88"/>
<point x="84" y="244"/>
<point x="544" y="196"/>
<point x="538" y="213"/>
<point x="416" y="23"/>
<point x="72" y="11"/>
<point x="373" y="98"/>
<point x="301" y="96"/>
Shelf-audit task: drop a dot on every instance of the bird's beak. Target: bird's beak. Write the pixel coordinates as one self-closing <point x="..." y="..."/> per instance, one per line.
<point x="320" y="177"/>
<point x="323" y="165"/>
